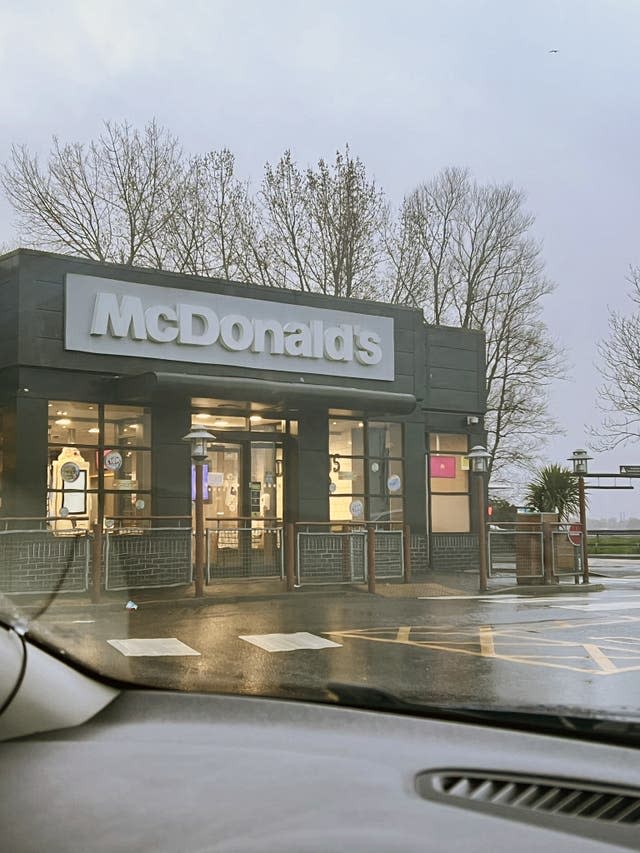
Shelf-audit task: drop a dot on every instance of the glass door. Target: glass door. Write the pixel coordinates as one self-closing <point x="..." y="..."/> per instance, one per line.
<point x="243" y="488"/>
<point x="222" y="474"/>
<point x="265" y="485"/>
<point x="265" y="495"/>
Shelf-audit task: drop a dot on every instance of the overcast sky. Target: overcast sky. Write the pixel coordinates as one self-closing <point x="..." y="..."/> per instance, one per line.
<point x="412" y="86"/>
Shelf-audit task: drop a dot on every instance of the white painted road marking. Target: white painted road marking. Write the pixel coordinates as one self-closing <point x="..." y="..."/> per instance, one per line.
<point x="289" y="642"/>
<point x="594" y="607"/>
<point x="154" y="647"/>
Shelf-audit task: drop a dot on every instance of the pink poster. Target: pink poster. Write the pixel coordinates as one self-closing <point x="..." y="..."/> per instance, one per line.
<point x="443" y="466"/>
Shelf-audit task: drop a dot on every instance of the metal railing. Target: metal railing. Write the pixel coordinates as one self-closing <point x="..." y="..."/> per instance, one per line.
<point x="147" y="552"/>
<point x="566" y="555"/>
<point x="516" y="548"/>
<point x="36" y="558"/>
<point x="336" y="554"/>
<point x="343" y="552"/>
<point x="244" y="548"/>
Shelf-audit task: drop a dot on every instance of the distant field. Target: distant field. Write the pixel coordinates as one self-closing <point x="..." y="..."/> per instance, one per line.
<point x="612" y="544"/>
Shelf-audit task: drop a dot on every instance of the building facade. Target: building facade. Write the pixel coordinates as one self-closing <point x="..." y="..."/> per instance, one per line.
<point x="322" y="409"/>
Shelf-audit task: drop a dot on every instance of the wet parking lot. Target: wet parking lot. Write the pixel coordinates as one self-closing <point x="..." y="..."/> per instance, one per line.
<point x="575" y="650"/>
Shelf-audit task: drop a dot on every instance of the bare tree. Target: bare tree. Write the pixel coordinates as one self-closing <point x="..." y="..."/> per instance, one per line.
<point x="207" y="229"/>
<point x="620" y="370"/>
<point x="323" y="227"/>
<point x="109" y="200"/>
<point x="462" y="252"/>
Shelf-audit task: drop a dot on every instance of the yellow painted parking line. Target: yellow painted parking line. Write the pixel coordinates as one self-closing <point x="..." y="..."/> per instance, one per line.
<point x="487" y="646"/>
<point x="530" y="644"/>
<point x="605" y="663"/>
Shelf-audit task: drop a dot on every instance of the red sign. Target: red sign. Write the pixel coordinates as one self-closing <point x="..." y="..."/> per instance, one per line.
<point x="575" y="534"/>
<point x="443" y="466"/>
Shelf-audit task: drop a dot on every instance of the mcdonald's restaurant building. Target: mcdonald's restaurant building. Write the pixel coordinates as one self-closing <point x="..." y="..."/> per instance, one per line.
<point x="321" y="409"/>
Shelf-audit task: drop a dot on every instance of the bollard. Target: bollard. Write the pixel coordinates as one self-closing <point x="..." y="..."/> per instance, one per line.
<point x="371" y="558"/>
<point x="96" y="563"/>
<point x="290" y="555"/>
<point x="406" y="552"/>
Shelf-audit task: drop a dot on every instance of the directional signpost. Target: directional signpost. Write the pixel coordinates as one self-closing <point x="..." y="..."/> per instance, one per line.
<point x="630" y="470"/>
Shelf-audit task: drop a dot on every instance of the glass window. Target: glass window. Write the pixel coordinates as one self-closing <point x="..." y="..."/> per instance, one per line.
<point x="450" y="514"/>
<point x="127" y="426"/>
<point x="346" y="438"/>
<point x="258" y="423"/>
<point x="213" y="421"/>
<point x="365" y="488"/>
<point x="347" y="476"/>
<point x="384" y="439"/>
<point x="385" y="477"/>
<point x="447" y="442"/>
<point x="448" y="477"/>
<point x="73" y="423"/>
<point x="96" y="457"/>
<point x="448" y="473"/>
<point x="127" y="469"/>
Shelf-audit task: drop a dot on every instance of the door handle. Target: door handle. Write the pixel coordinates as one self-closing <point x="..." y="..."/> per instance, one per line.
<point x="279" y="467"/>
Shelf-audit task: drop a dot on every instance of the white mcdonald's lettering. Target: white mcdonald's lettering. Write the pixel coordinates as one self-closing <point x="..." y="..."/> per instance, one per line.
<point x="199" y="326"/>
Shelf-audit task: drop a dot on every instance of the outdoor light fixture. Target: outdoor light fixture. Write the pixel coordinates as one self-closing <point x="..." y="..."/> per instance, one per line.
<point x="580" y="461"/>
<point x="198" y="439"/>
<point x="479" y="457"/>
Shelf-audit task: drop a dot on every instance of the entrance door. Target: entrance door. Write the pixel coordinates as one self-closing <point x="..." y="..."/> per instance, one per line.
<point x="243" y="509"/>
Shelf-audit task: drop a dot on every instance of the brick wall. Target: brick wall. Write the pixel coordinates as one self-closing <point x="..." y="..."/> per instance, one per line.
<point x="389" y="554"/>
<point x="36" y="560"/>
<point x="331" y="557"/>
<point x="419" y="554"/>
<point x="454" y="552"/>
<point x="156" y="557"/>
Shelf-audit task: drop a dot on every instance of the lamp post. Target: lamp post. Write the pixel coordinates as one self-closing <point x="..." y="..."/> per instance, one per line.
<point x="479" y="457"/>
<point x="198" y="439"/>
<point x="580" y="461"/>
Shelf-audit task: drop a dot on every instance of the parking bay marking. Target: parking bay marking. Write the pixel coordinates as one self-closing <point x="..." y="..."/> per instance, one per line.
<point x="530" y="644"/>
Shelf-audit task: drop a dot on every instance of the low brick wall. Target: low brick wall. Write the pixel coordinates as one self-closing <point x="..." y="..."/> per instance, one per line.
<point x="451" y="552"/>
<point x="331" y="557"/>
<point x="151" y="558"/>
<point x="388" y="551"/>
<point x="419" y="554"/>
<point x="37" y="560"/>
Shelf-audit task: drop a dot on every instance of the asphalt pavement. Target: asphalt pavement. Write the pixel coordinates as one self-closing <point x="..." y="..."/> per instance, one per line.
<point x="574" y="651"/>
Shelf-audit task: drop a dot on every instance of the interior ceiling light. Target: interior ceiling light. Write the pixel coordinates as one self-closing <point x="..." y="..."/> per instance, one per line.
<point x="63" y="422"/>
<point x="93" y="430"/>
<point x="255" y="419"/>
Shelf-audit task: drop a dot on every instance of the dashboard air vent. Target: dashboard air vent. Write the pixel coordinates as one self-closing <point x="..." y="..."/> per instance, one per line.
<point x="544" y="796"/>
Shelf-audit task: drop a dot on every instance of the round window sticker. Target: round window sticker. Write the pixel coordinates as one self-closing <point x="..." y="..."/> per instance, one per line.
<point x="375" y="467"/>
<point x="356" y="508"/>
<point x="113" y="461"/>
<point x="393" y="483"/>
<point x="332" y="487"/>
<point x="69" y="472"/>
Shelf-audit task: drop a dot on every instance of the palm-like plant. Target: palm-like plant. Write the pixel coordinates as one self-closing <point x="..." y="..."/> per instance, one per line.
<point x="555" y="489"/>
